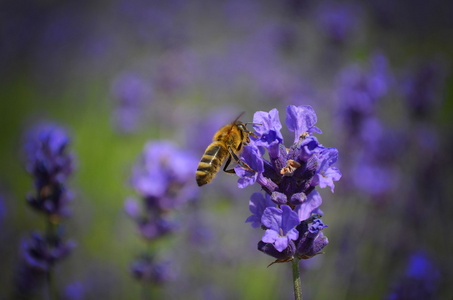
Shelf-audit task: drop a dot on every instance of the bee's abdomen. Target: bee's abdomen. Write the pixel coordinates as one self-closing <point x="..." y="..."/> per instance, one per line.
<point x="210" y="163"/>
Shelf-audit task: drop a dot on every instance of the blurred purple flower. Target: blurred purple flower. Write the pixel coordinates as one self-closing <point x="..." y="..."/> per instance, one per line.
<point x="164" y="176"/>
<point x="164" y="179"/>
<point x="358" y="92"/>
<point x="50" y="164"/>
<point x="75" y="291"/>
<point x="146" y="269"/>
<point x="2" y="209"/>
<point x="131" y="93"/>
<point x="421" y="280"/>
<point x="41" y="253"/>
<point x="337" y="20"/>
<point x="422" y="89"/>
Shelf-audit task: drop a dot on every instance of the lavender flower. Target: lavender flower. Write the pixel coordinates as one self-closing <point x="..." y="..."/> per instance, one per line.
<point x="337" y="21"/>
<point x="359" y="91"/>
<point x="163" y="177"/>
<point x="421" y="280"/>
<point x="50" y="164"/>
<point x="147" y="270"/>
<point x="75" y="291"/>
<point x="422" y="88"/>
<point x="289" y="178"/>
<point x="131" y="93"/>
<point x="42" y="255"/>
<point x="289" y="172"/>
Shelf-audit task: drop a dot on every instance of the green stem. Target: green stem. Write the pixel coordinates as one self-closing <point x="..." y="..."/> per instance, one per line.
<point x="296" y="279"/>
<point x="146" y="291"/>
<point x="51" y="237"/>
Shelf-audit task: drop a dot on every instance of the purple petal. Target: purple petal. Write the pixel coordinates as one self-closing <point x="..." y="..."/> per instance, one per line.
<point x="281" y="243"/>
<point x="301" y="119"/>
<point x="326" y="158"/>
<point x="329" y="176"/>
<point x="269" y="121"/>
<point x="312" y="202"/>
<point x="289" y="219"/>
<point x="270" y="236"/>
<point x="132" y="207"/>
<point x="272" y="218"/>
<point x="257" y="204"/>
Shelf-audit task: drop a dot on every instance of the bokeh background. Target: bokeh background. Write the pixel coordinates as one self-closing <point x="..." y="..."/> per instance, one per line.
<point x="116" y="74"/>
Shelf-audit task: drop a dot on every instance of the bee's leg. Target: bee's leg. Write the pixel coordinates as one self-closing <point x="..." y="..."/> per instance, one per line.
<point x="238" y="161"/>
<point x="227" y="164"/>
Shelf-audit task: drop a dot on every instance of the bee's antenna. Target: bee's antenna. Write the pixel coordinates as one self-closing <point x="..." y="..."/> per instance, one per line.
<point x="253" y="123"/>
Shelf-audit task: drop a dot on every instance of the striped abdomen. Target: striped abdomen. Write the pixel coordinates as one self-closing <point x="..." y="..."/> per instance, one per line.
<point x="210" y="162"/>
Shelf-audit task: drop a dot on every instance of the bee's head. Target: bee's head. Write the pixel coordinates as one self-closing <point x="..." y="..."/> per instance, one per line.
<point x="243" y="128"/>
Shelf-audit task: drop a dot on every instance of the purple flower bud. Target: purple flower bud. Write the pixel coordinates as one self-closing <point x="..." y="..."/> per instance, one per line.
<point x="285" y="255"/>
<point x="312" y="241"/>
<point x="297" y="199"/>
<point x="279" y="198"/>
<point x="421" y="281"/>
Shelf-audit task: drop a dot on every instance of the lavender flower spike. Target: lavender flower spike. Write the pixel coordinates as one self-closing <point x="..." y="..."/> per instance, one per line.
<point x="50" y="164"/>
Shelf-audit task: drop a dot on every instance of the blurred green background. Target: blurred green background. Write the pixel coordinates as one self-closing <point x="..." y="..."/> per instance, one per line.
<point x="199" y="63"/>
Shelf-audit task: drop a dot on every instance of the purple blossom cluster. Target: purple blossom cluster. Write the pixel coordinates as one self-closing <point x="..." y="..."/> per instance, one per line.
<point x="50" y="164"/>
<point x="163" y="177"/>
<point x="289" y="211"/>
<point x="132" y="93"/>
<point x="337" y="21"/>
<point x="360" y="92"/>
<point x="421" y="280"/>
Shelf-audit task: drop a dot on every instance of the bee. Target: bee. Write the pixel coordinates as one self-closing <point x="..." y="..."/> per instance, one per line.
<point x="227" y="144"/>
